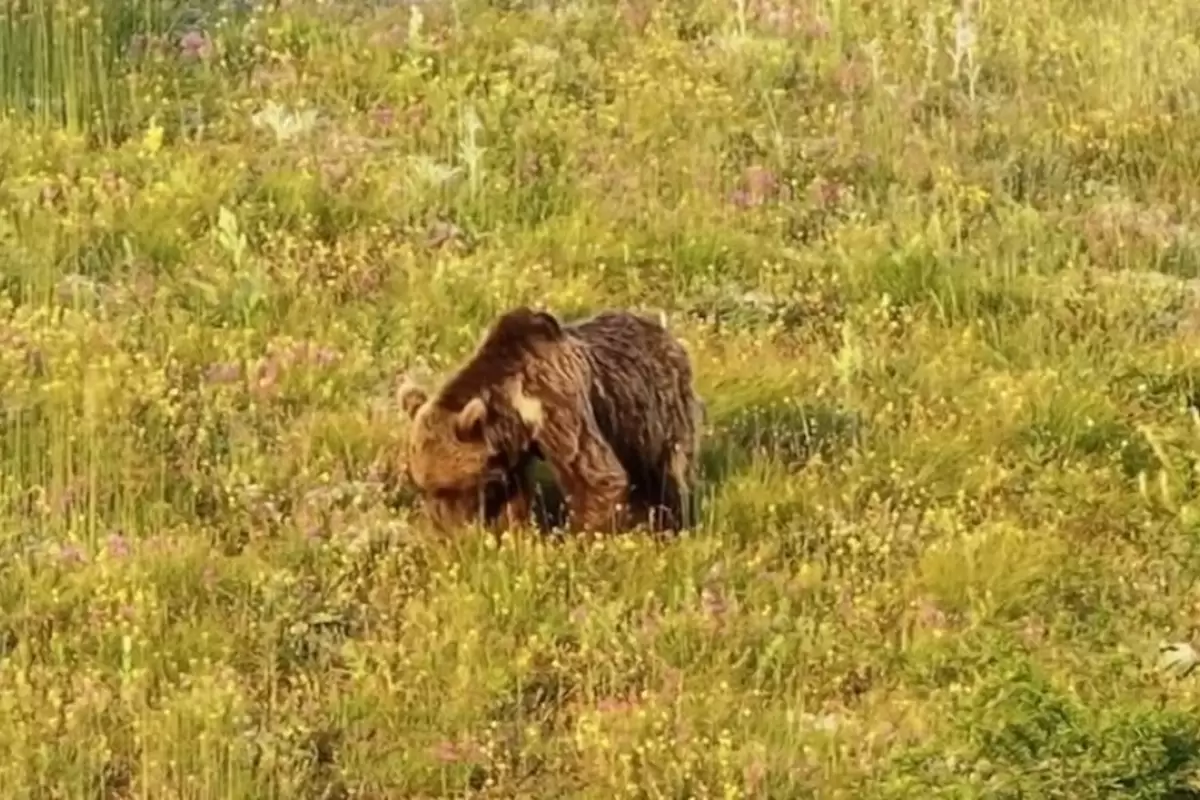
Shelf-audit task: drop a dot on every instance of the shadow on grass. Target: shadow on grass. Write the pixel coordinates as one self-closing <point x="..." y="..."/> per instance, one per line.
<point x="1162" y="390"/>
<point x="1060" y="430"/>
<point x="785" y="433"/>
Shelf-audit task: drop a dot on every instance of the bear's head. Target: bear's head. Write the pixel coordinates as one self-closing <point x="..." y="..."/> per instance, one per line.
<point x="461" y="456"/>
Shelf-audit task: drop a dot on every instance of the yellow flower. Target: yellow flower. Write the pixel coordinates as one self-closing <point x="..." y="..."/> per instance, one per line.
<point x="152" y="141"/>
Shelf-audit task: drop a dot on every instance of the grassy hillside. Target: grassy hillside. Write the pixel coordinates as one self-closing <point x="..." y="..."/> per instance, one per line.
<point x="937" y="269"/>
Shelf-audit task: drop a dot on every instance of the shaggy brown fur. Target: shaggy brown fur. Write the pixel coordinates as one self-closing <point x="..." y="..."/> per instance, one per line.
<point x="608" y="403"/>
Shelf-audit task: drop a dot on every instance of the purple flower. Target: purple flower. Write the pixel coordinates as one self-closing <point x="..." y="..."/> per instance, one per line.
<point x="449" y="752"/>
<point x="615" y="705"/>
<point x="824" y="193"/>
<point x="817" y="28"/>
<point x="383" y="116"/>
<point x="195" y="45"/>
<point x="267" y="375"/>
<point x="70" y="553"/>
<point x="445" y="752"/>
<point x="118" y="546"/>
<point x="327" y="356"/>
<point x="137" y="46"/>
<point x="223" y="373"/>
<point x="759" y="185"/>
<point x="741" y="198"/>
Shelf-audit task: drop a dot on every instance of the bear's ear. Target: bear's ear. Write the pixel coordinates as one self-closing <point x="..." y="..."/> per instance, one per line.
<point x="468" y="425"/>
<point x="523" y="324"/>
<point x="411" y="397"/>
<point x="549" y="323"/>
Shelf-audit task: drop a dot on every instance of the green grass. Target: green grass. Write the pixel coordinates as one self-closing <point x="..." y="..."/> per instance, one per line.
<point x="941" y="303"/>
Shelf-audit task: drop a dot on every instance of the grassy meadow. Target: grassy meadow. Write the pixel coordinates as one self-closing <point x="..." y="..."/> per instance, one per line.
<point x="939" y="269"/>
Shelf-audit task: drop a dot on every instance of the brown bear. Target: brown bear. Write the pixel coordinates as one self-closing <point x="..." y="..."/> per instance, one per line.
<point x="607" y="402"/>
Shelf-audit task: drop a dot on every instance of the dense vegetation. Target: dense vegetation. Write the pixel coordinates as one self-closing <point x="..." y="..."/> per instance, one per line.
<point x="937" y="269"/>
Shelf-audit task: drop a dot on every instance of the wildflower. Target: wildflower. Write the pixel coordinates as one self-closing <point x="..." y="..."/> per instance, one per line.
<point x="118" y="545"/>
<point x="195" y="45"/>
<point x="326" y="357"/>
<point x="383" y="116"/>
<point x="759" y="185"/>
<point x="227" y="372"/>
<point x="70" y="553"/>
<point x="445" y="751"/>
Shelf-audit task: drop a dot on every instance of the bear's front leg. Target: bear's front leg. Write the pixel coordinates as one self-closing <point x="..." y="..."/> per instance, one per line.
<point x="598" y="490"/>
<point x="595" y="484"/>
<point x="589" y="474"/>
